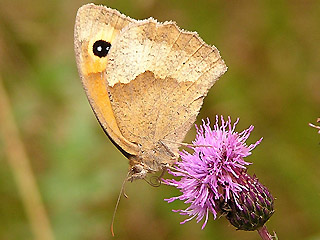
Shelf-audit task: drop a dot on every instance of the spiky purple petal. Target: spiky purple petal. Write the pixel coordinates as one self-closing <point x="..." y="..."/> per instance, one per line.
<point x="209" y="175"/>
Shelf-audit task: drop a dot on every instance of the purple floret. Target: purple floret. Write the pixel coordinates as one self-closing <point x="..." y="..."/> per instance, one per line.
<point x="209" y="174"/>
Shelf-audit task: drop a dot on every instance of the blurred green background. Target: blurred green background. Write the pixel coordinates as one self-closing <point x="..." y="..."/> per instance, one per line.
<point x="272" y="49"/>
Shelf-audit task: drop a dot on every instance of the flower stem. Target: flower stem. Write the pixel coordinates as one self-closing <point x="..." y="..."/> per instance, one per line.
<point x="264" y="234"/>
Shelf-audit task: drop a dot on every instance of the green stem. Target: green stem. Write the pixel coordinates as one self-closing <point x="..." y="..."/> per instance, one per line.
<point x="264" y="234"/>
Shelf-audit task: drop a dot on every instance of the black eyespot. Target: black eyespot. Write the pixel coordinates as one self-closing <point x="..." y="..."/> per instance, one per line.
<point x="101" y="48"/>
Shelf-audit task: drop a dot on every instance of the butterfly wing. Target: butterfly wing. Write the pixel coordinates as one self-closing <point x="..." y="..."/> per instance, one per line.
<point x="93" y="24"/>
<point x="158" y="76"/>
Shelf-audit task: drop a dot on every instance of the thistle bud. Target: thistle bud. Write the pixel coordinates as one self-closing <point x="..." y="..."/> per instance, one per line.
<point x="251" y="208"/>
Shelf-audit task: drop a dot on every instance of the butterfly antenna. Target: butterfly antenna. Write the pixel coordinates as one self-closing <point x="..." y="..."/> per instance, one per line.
<point x="181" y="171"/>
<point x="184" y="144"/>
<point x="118" y="201"/>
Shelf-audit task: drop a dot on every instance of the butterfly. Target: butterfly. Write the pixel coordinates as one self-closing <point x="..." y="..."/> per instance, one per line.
<point x="145" y="82"/>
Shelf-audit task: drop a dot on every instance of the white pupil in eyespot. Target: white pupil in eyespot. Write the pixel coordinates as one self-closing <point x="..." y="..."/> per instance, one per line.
<point x="99" y="48"/>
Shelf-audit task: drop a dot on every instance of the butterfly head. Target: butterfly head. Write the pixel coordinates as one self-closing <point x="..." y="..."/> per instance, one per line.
<point x="138" y="171"/>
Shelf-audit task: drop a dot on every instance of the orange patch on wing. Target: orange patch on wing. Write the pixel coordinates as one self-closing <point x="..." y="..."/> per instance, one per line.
<point x="99" y="98"/>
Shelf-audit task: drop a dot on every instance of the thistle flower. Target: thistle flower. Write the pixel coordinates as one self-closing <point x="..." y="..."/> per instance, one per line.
<point x="315" y="126"/>
<point x="209" y="175"/>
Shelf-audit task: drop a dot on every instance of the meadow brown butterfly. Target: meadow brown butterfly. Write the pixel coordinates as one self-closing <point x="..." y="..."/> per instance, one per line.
<point x="145" y="82"/>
